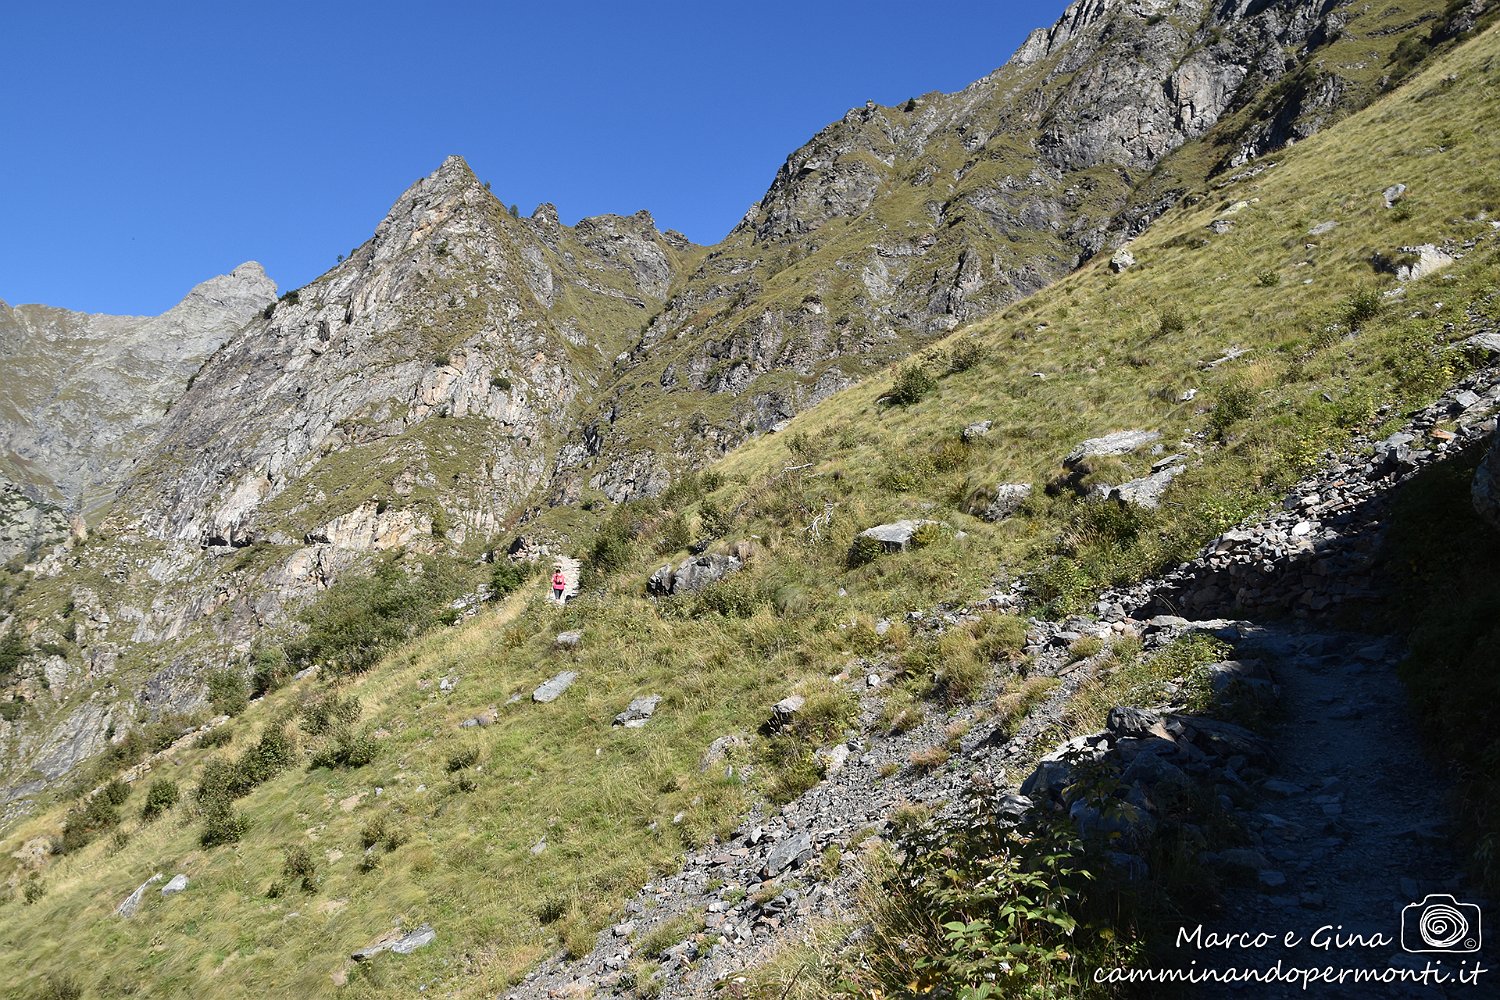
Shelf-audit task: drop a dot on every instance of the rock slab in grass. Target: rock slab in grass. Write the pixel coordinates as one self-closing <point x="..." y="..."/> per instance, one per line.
<point x="784" y="710"/>
<point x="177" y="884"/>
<point x="397" y="943"/>
<point x="551" y="690"/>
<point x="569" y="639"/>
<point x="896" y="535"/>
<point x="638" y="712"/>
<point x="693" y="574"/>
<point x="1122" y="260"/>
<point x="132" y="902"/>
<point x="1008" y="500"/>
<point x="1393" y="194"/>
<point x="1118" y="443"/>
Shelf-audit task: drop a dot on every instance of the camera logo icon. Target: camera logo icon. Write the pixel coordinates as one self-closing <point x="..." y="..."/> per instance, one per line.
<point x="1440" y="923"/>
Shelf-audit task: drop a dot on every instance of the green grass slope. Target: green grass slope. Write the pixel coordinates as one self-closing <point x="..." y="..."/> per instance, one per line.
<point x="451" y="816"/>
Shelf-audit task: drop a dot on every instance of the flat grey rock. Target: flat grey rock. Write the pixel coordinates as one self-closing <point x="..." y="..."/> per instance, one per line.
<point x="177" y="884"/>
<point x="1118" y="443"/>
<point x="638" y="712"/>
<point x="552" y="689"/>
<point x="132" y="902"/>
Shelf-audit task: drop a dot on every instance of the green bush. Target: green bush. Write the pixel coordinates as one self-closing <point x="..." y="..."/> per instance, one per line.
<point x="500" y="382"/>
<point x="716" y="521"/>
<point x="161" y="796"/>
<point x="913" y="383"/>
<point x="226" y="692"/>
<point x="865" y="550"/>
<point x="96" y="816"/>
<point x="352" y="625"/>
<point x="508" y="576"/>
<point x="675" y="535"/>
<point x="32" y="890"/>
<point x="222" y="823"/>
<point x="297" y="869"/>
<point x="1233" y="402"/>
<point x="327" y="712"/>
<point x="467" y="757"/>
<point x="1363" y="305"/>
<point x="966" y="354"/>
<point x="12" y="650"/>
<point x="346" y="748"/>
<point x="269" y="669"/>
<point x="116" y="792"/>
<point x="60" y="987"/>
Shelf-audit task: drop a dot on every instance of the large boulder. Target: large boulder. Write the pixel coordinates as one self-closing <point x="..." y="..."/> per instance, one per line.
<point x="692" y="574"/>
<point x="1486" y="490"/>
<point x="1147" y="491"/>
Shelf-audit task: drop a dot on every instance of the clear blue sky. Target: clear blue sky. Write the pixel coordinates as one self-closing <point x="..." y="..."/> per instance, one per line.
<point x="151" y="145"/>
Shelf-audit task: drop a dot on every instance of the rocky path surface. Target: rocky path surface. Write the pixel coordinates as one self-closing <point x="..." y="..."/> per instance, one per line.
<point x="1352" y="829"/>
<point x="571" y="568"/>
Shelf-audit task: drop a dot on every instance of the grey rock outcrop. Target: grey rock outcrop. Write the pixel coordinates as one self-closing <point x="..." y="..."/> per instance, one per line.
<point x="1008" y="499"/>
<point x="132" y="903"/>
<point x="1117" y="443"/>
<point x="692" y="574"/>
<point x="897" y="535"/>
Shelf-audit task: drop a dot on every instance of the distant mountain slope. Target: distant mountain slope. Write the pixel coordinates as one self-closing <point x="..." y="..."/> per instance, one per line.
<point x="82" y="392"/>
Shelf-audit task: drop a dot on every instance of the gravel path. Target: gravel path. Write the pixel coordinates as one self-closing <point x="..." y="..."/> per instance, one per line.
<point x="1354" y="828"/>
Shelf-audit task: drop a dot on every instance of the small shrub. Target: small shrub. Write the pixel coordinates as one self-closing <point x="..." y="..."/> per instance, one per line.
<point x="1268" y="279"/>
<point x="714" y="519"/>
<point x="500" y="382"/>
<point x="61" y="987"/>
<point x="327" y="713"/>
<point x="226" y="692"/>
<point x="116" y="793"/>
<point x="467" y="757"/>
<point x="1363" y="305"/>
<point x="1172" y="320"/>
<point x="1084" y="647"/>
<point x="912" y="384"/>
<point x="32" y="890"/>
<point x="925" y="535"/>
<point x="552" y="909"/>
<point x="508" y="576"/>
<point x="346" y="748"/>
<point x="161" y="796"/>
<point x="865" y="550"/>
<point x="222" y="823"/>
<point x="965" y="355"/>
<point x="466" y="783"/>
<point x="218" y="736"/>
<point x="269" y="669"/>
<point x="298" y="868"/>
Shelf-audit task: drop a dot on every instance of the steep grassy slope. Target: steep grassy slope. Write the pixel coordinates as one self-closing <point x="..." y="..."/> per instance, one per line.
<point x="1328" y="350"/>
<point x="895" y="224"/>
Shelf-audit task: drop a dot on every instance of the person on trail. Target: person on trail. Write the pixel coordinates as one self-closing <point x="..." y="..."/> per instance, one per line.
<point x="559" y="585"/>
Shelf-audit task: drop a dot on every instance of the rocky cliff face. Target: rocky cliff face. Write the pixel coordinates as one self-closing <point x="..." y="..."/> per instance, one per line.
<point x="895" y="224"/>
<point x="82" y="393"/>
<point x="425" y="377"/>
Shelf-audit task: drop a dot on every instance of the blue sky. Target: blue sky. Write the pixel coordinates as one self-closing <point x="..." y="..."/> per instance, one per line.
<point x="152" y="145"/>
